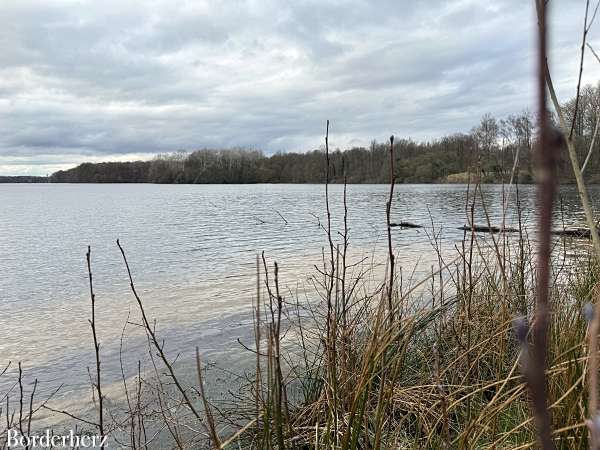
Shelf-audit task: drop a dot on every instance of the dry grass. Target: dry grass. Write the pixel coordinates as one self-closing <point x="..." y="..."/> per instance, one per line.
<point x="446" y="375"/>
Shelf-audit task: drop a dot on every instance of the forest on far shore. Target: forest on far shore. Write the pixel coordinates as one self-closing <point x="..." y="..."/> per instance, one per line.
<point x="490" y="149"/>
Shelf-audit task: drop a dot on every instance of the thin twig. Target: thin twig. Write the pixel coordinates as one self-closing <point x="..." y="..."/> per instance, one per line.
<point x="207" y="411"/>
<point x="578" y="94"/>
<point x="157" y="345"/>
<point x="96" y="348"/>
<point x="591" y="149"/>
<point x="388" y="210"/>
<point x="72" y="416"/>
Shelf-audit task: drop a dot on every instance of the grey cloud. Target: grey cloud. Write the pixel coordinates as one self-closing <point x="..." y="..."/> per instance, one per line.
<point x="102" y="79"/>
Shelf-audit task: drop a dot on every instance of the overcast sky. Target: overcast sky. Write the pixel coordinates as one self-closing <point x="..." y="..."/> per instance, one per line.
<point x="120" y="79"/>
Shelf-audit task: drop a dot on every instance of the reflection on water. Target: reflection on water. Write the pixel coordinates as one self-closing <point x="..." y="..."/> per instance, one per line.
<point x="192" y="252"/>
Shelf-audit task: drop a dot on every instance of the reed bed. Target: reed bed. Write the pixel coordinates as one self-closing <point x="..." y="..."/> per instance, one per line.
<point x="442" y="364"/>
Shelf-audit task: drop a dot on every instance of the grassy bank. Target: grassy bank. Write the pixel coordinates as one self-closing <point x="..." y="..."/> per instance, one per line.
<point x="441" y="369"/>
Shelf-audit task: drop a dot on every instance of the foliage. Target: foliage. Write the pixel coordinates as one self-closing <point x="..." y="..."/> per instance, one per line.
<point x="490" y="148"/>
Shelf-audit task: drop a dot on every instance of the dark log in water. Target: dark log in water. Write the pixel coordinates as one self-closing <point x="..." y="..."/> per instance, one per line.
<point x="406" y="225"/>
<point x="488" y="229"/>
<point x="581" y="233"/>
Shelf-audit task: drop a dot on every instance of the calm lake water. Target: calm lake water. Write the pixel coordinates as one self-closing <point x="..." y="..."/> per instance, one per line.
<point x="192" y="251"/>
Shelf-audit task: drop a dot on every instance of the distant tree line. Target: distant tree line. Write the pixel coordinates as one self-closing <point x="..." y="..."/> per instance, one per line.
<point x="23" y="179"/>
<point x="490" y="149"/>
<point x="447" y="159"/>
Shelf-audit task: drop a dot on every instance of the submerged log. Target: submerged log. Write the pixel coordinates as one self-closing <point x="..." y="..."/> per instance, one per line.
<point x="581" y="233"/>
<point x="406" y="225"/>
<point x="488" y="229"/>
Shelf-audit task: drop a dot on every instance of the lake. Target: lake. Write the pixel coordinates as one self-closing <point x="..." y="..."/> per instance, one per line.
<point x="192" y="251"/>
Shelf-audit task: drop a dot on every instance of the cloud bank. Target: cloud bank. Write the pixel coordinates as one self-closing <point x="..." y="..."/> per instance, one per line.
<point x="114" y="80"/>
